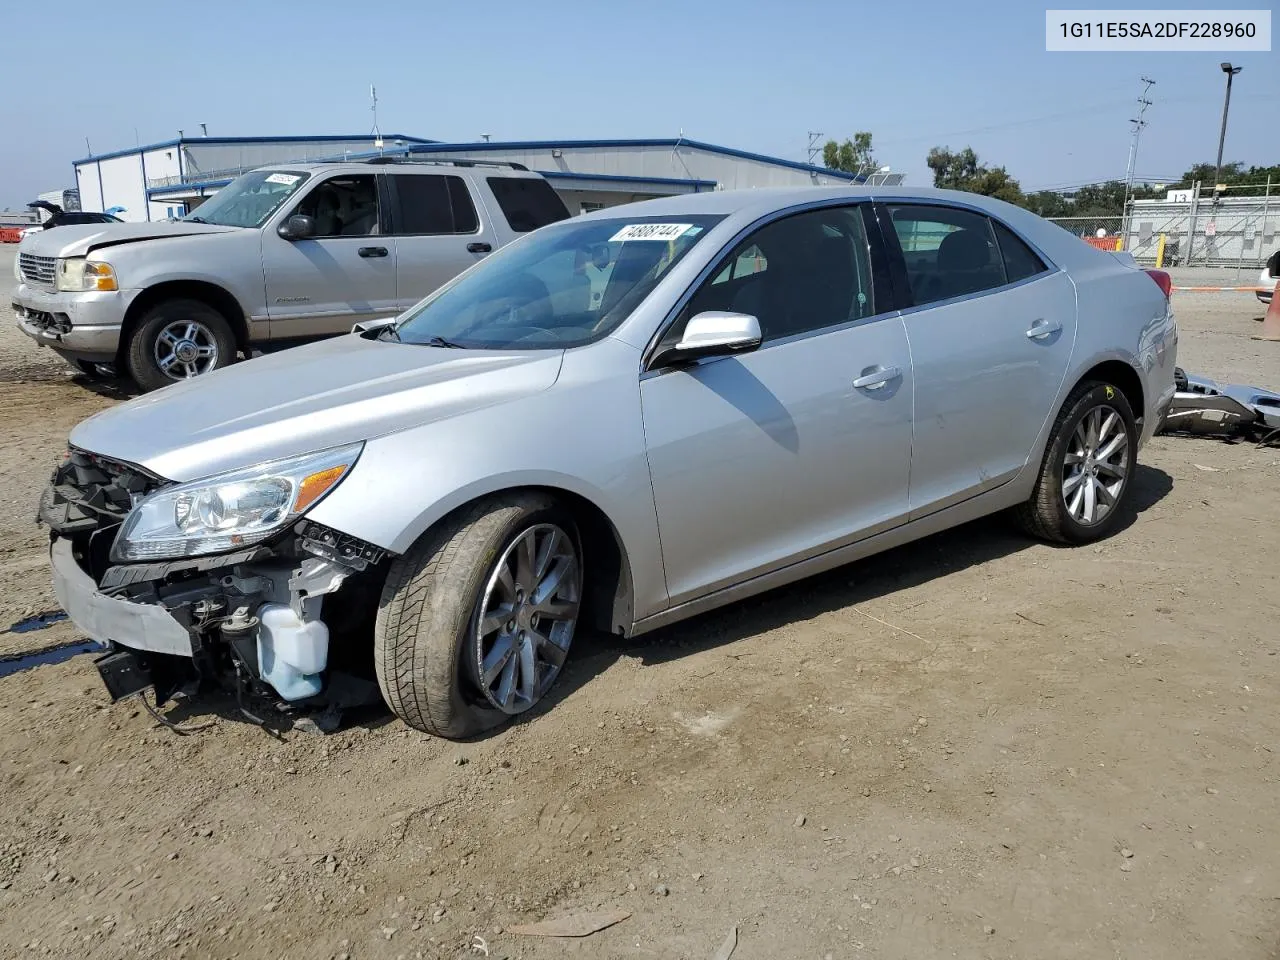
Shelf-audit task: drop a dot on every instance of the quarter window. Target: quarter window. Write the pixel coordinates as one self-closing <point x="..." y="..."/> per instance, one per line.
<point x="528" y="202"/>
<point x="1020" y="261"/>
<point x="795" y="275"/>
<point x="343" y="207"/>
<point x="949" y="252"/>
<point x="434" y="204"/>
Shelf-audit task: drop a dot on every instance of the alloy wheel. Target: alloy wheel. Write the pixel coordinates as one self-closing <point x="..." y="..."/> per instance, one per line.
<point x="525" y="619"/>
<point x="185" y="349"/>
<point x="1095" y="469"/>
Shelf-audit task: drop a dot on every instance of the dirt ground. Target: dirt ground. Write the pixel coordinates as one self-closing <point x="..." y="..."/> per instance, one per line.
<point x="975" y="746"/>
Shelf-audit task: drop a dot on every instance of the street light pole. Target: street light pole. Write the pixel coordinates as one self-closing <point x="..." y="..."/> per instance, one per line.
<point x="1230" y="71"/>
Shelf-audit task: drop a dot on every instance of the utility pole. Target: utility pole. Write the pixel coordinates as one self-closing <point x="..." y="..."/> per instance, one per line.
<point x="814" y="149"/>
<point x="1138" y="123"/>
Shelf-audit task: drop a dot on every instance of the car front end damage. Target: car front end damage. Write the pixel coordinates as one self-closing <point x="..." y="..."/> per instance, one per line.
<point x="286" y="615"/>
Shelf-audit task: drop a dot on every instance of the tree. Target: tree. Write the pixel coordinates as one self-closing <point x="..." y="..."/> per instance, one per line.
<point x="852" y="156"/>
<point x="963" y="171"/>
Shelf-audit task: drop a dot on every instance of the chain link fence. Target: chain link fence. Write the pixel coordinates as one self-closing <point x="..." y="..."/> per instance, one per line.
<point x="1239" y="232"/>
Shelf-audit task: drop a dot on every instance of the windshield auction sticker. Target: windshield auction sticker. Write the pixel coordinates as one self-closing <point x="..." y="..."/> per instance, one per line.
<point x="286" y="178"/>
<point x="1209" y="31"/>
<point x="651" y="231"/>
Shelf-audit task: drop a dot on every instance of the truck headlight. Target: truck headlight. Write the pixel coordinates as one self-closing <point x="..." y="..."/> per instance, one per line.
<point x="76" y="275"/>
<point x="232" y="510"/>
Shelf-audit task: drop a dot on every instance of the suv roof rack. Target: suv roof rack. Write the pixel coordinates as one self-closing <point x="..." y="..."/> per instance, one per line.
<point x="451" y="161"/>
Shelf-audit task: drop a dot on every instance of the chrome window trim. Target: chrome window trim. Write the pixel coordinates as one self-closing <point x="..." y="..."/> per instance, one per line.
<point x="1052" y="267"/>
<point x="980" y="293"/>
<point x="725" y="249"/>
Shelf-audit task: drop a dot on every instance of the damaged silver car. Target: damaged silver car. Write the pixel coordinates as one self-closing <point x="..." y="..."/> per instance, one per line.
<point x="615" y="423"/>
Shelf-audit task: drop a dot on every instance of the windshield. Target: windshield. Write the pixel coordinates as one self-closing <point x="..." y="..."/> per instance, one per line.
<point x="563" y="286"/>
<point x="248" y="200"/>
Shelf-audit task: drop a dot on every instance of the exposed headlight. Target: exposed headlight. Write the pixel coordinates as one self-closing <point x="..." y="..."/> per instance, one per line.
<point x="17" y="271"/>
<point x="230" y="511"/>
<point x="76" y="275"/>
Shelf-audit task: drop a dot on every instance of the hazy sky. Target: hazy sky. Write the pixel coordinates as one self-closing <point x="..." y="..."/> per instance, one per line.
<point x="746" y="74"/>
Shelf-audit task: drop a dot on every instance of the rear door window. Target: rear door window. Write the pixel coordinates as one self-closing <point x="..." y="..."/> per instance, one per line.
<point x="949" y="252"/>
<point x="433" y="204"/>
<point x="527" y="202"/>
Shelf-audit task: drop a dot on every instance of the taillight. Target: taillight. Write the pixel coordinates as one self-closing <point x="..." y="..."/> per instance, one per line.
<point x="1163" y="281"/>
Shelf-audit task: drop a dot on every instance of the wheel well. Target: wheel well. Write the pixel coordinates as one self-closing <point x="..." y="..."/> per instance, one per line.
<point x="1123" y="376"/>
<point x="607" y="585"/>
<point x="210" y="293"/>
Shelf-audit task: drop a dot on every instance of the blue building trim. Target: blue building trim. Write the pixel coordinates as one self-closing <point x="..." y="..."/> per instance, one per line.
<point x="622" y="144"/>
<point x="224" y="141"/>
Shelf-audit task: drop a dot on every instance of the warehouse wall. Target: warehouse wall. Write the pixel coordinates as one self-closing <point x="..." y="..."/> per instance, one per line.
<point x="123" y="185"/>
<point x="161" y="164"/>
<point x="89" y="185"/>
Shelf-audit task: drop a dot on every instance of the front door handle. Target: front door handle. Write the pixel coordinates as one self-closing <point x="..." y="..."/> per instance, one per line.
<point x="373" y="251"/>
<point x="478" y="248"/>
<point x="1044" y="328"/>
<point x="877" y="378"/>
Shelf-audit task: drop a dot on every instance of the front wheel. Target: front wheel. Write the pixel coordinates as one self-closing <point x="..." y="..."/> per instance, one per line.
<point x="477" y="618"/>
<point x="1087" y="469"/>
<point x="178" y="340"/>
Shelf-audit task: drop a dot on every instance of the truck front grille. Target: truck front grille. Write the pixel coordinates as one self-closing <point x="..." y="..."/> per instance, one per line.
<point x="37" y="270"/>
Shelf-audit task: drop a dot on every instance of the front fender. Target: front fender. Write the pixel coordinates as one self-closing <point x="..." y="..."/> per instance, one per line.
<point x="584" y="436"/>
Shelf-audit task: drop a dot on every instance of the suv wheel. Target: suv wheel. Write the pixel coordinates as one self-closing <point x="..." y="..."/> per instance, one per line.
<point x="477" y="618"/>
<point x="178" y="340"/>
<point x="1087" y="470"/>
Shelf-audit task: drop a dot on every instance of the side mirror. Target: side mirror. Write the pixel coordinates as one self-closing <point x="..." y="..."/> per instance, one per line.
<point x="712" y="333"/>
<point x="366" y="327"/>
<point x="297" y="227"/>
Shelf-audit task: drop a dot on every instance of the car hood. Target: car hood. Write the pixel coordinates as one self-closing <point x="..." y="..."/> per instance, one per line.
<point x="306" y="399"/>
<point x="78" y="239"/>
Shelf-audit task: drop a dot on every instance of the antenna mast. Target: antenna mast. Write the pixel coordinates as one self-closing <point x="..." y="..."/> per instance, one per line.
<point x="373" y="106"/>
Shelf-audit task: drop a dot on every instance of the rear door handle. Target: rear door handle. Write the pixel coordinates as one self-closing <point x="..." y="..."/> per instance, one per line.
<point x="877" y="378"/>
<point x="1043" y="328"/>
<point x="373" y="251"/>
<point x="478" y="248"/>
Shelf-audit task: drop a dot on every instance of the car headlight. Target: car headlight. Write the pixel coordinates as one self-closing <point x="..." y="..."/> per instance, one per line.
<point x="232" y="510"/>
<point x="17" y="270"/>
<point x="76" y="275"/>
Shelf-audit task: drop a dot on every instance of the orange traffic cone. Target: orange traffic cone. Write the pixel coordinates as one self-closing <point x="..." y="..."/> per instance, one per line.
<point x="1271" y="322"/>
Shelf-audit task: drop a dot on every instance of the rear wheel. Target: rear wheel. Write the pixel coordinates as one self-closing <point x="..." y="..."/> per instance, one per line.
<point x="477" y="618"/>
<point x="178" y="340"/>
<point x="1087" y="469"/>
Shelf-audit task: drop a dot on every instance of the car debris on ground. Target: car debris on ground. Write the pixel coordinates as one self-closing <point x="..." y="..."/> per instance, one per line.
<point x="1206" y="407"/>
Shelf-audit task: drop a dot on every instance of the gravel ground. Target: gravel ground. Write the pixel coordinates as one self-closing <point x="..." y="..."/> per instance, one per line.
<point x="975" y="746"/>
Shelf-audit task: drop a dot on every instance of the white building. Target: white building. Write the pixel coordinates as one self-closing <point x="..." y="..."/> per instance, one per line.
<point x="163" y="180"/>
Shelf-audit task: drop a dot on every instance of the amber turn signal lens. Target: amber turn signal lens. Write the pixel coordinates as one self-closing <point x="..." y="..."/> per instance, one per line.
<point x="315" y="486"/>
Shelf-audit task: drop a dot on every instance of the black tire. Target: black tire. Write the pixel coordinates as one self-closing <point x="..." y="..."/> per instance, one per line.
<point x="140" y="352"/>
<point x="1045" y="514"/>
<point x="427" y="614"/>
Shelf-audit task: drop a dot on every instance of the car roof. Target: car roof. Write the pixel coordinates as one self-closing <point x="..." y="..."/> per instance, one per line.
<point x="762" y="200"/>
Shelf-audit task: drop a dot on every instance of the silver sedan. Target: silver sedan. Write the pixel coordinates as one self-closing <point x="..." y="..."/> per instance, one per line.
<point x="615" y="423"/>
